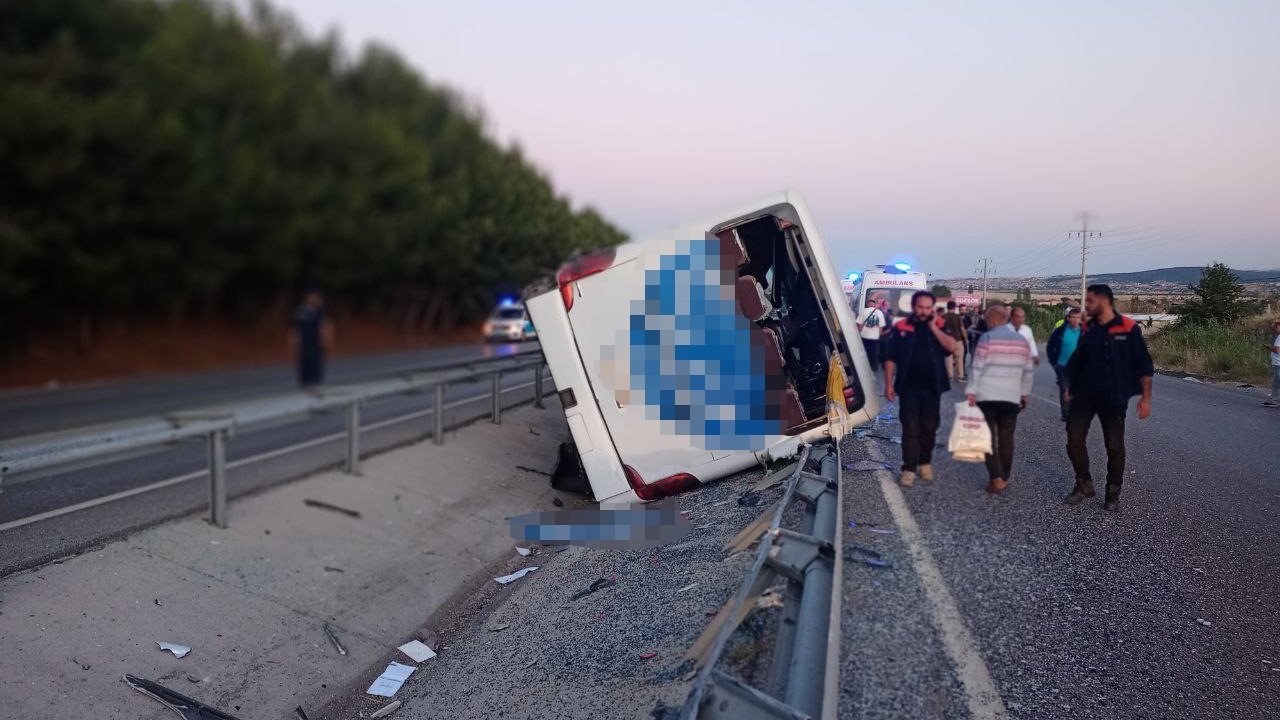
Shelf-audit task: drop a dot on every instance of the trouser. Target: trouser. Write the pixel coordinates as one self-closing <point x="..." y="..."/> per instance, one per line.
<point x="310" y="368"/>
<point x="955" y="361"/>
<point x="920" y="412"/>
<point x="1002" y="418"/>
<point x="873" y="353"/>
<point x="1083" y="411"/>
<point x="1063" y="403"/>
<point x="1275" y="382"/>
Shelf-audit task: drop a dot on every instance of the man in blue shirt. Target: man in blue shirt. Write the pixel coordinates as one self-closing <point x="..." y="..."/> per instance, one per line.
<point x="1062" y="345"/>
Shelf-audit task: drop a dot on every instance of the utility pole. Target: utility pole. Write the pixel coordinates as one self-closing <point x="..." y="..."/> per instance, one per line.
<point x="986" y="264"/>
<point x="1084" y="234"/>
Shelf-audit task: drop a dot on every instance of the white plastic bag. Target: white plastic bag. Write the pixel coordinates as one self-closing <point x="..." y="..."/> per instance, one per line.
<point x="970" y="439"/>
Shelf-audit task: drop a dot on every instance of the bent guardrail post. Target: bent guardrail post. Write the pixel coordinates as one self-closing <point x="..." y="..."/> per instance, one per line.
<point x="537" y="386"/>
<point x="437" y="427"/>
<point x="497" y="397"/>
<point x="218" y="477"/>
<point x="353" y="437"/>
<point x="806" y="678"/>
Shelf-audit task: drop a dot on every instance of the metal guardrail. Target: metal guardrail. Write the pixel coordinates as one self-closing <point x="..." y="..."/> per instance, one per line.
<point x="217" y="424"/>
<point x="805" y="668"/>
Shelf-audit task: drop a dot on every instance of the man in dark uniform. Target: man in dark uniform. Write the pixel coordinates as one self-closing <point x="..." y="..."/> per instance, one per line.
<point x="915" y="372"/>
<point x="310" y="335"/>
<point x="1110" y="366"/>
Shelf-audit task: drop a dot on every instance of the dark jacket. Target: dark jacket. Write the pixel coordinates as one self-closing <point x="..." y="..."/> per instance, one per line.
<point x="1125" y="356"/>
<point x="902" y="347"/>
<point x="1054" y="349"/>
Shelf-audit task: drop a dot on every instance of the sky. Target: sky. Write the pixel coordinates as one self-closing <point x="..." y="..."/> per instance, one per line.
<point x="935" y="132"/>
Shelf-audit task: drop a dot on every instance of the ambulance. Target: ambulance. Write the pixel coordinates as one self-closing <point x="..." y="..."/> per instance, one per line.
<point x="702" y="351"/>
<point x="893" y="283"/>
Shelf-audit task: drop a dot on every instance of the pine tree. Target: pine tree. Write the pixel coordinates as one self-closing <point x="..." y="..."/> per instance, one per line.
<point x="1220" y="298"/>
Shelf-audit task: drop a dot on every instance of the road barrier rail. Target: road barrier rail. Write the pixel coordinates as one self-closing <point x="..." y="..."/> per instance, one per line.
<point x="216" y="424"/>
<point x="804" y="671"/>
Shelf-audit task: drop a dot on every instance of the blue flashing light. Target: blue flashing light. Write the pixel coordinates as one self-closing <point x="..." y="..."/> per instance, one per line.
<point x="507" y="302"/>
<point x="853" y="276"/>
<point x="902" y="267"/>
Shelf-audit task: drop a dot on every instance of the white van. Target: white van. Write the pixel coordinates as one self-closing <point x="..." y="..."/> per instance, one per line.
<point x="702" y="351"/>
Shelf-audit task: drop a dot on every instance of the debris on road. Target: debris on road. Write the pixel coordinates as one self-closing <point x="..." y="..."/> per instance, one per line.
<point x="881" y="531"/>
<point x="302" y="714"/>
<point x="557" y="502"/>
<point x="386" y="710"/>
<point x="157" y="602"/>
<point x="523" y="551"/>
<point x="328" y="568"/>
<point x="508" y="579"/>
<point x="499" y="628"/>
<point x="327" y="506"/>
<point x="749" y="499"/>
<point x="428" y="637"/>
<point x="185" y="707"/>
<point x="417" y="651"/>
<point x="179" y="651"/>
<point x="1204" y="622"/>
<point x="597" y="585"/>
<point x="391" y="679"/>
<point x="649" y="656"/>
<point x="328" y="631"/>
<point x="687" y="587"/>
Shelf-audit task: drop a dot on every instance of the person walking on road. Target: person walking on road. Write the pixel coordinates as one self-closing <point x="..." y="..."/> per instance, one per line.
<point x="310" y="335"/>
<point x="1111" y="365"/>
<point x="953" y="325"/>
<point x="1274" y="401"/>
<point x="871" y="324"/>
<point x="914" y="372"/>
<point x="1062" y="345"/>
<point x="1018" y="318"/>
<point x="999" y="385"/>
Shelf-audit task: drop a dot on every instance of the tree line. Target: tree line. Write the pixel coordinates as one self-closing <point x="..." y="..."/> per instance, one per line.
<point x="178" y="159"/>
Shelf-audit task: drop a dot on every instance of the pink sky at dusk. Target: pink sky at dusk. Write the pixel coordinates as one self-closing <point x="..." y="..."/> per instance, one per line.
<point x="945" y="131"/>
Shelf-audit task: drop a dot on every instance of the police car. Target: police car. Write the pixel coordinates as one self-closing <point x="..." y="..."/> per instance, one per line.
<point x="702" y="351"/>
<point x="509" y="322"/>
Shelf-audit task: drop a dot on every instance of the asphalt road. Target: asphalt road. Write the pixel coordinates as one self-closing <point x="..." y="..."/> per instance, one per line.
<point x="35" y="411"/>
<point x="1167" y="609"/>
<point x="257" y="457"/>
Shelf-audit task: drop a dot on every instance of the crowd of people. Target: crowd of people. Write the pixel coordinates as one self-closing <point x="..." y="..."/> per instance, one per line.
<point x="1101" y="363"/>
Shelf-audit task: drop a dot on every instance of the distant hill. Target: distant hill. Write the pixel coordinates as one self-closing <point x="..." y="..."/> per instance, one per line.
<point x="1179" y="275"/>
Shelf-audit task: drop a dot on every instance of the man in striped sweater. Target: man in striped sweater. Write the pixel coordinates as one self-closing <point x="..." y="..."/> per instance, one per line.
<point x="999" y="382"/>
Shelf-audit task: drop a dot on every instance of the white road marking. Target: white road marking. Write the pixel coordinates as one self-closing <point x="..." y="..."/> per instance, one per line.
<point x="980" y="690"/>
<point x="313" y="442"/>
<point x="1045" y="399"/>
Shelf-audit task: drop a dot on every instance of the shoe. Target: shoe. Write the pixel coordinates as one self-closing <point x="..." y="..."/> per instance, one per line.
<point x="908" y="479"/>
<point x="1112" y="502"/>
<point x="1083" y="489"/>
<point x="926" y="473"/>
<point x="997" y="486"/>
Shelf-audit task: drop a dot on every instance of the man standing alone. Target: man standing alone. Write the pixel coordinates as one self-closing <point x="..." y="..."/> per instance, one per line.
<point x="1062" y="345"/>
<point x="999" y="385"/>
<point x="914" y="370"/>
<point x="310" y="335"/>
<point x="871" y="323"/>
<point x="1110" y="366"/>
<point x="953" y="325"/>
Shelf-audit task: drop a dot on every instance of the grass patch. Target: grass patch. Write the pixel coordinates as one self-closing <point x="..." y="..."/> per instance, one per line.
<point x="1216" y="351"/>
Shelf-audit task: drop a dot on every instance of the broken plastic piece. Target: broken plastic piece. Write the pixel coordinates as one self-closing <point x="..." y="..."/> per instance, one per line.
<point x="391" y="679"/>
<point x="386" y="710"/>
<point x="417" y="651"/>
<point x="508" y="579"/>
<point x="328" y="631"/>
<point x="326" y="506"/>
<point x="179" y="651"/>
<point x="184" y="706"/>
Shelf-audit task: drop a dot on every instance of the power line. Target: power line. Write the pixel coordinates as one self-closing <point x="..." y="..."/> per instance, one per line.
<point x="1084" y="235"/>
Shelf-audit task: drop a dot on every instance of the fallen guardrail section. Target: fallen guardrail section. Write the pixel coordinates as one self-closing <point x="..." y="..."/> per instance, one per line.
<point x="804" y="671"/>
<point x="219" y="423"/>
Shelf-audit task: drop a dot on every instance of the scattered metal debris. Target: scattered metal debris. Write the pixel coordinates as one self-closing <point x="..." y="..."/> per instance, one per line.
<point x="179" y="651"/>
<point x="597" y="585"/>
<point x="185" y="707"/>
<point x="328" y="506"/>
<point x="328" y="631"/>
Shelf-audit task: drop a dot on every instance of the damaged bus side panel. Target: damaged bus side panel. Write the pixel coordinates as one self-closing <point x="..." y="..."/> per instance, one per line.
<point x="697" y="353"/>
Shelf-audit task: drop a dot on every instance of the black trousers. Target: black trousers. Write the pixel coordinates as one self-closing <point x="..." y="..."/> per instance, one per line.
<point x="873" y="352"/>
<point x="1002" y="418"/>
<point x="1083" y="410"/>
<point x="310" y="368"/>
<point x="1063" y="403"/>
<point x="920" y="412"/>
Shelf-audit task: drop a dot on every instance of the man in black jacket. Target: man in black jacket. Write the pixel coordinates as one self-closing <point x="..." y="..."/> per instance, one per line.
<point x="1110" y="366"/>
<point x="1062" y="346"/>
<point x="915" y="374"/>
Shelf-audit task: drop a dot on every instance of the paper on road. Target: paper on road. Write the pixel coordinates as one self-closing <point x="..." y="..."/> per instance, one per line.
<point x="389" y="682"/>
<point x="417" y="650"/>
<point x="507" y="579"/>
<point x="177" y="650"/>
